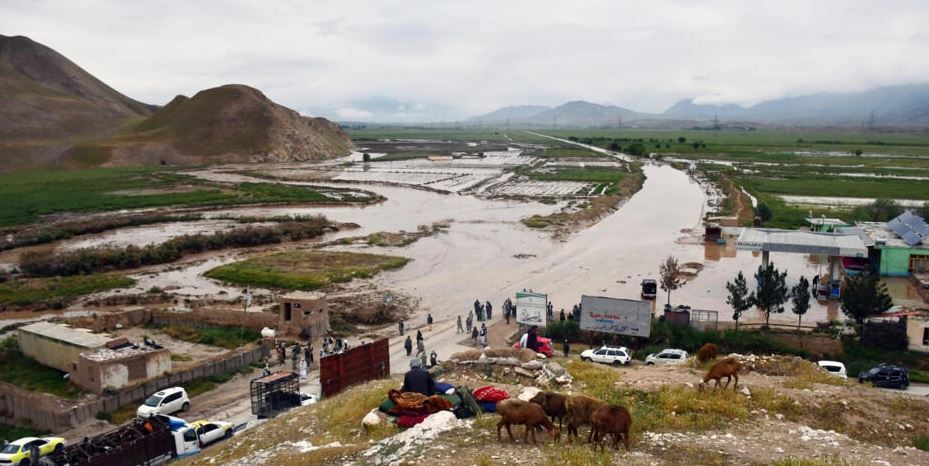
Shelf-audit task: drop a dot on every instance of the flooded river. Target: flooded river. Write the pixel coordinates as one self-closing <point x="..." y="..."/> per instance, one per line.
<point x="488" y="254"/>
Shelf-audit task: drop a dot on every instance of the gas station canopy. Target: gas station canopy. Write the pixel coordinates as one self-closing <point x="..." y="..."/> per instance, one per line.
<point x="801" y="242"/>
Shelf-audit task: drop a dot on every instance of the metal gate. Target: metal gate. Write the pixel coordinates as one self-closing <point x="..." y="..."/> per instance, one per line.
<point x="360" y="364"/>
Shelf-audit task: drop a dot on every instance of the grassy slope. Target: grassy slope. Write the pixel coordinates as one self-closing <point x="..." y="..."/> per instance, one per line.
<point x="305" y="269"/>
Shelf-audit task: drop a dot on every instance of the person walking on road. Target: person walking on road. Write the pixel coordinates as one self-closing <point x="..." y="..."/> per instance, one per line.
<point x="483" y="335"/>
<point x="561" y="316"/>
<point x="420" y="347"/>
<point x="460" y="328"/>
<point x="294" y="353"/>
<point x="408" y="345"/>
<point x="400" y="325"/>
<point x="474" y="334"/>
<point x="470" y="322"/>
<point x="490" y="310"/>
<point x="429" y="321"/>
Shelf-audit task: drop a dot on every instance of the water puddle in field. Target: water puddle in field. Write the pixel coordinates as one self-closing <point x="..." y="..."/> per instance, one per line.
<point x="841" y="201"/>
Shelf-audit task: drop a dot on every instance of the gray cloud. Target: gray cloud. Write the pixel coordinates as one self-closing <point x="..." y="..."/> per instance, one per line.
<point x="432" y="60"/>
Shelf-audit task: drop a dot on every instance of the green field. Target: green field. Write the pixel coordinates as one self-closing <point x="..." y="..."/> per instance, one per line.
<point x="305" y="269"/>
<point x="26" y="196"/>
<point x="25" y="292"/>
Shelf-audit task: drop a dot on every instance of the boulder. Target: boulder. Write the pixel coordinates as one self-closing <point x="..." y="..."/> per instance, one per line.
<point x="528" y="393"/>
<point x="371" y="419"/>
<point x="508" y="362"/>
<point x="532" y="365"/>
<point x="555" y="368"/>
<point x="523" y="372"/>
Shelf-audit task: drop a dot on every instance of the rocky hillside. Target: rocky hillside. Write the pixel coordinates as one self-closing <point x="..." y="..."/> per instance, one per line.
<point x="49" y="102"/>
<point x="232" y="123"/>
<point x="786" y="411"/>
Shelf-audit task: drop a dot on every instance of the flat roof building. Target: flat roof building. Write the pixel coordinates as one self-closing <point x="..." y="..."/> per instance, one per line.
<point x="58" y="345"/>
<point x="895" y="256"/>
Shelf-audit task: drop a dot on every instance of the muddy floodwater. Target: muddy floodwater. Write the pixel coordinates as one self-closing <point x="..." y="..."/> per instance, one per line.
<point x="477" y="259"/>
<point x="487" y="253"/>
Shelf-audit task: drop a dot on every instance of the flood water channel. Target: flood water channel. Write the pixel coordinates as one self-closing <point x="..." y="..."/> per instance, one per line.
<point x="487" y="253"/>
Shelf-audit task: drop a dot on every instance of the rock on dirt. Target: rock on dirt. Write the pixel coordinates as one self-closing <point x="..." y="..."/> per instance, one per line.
<point x="399" y="446"/>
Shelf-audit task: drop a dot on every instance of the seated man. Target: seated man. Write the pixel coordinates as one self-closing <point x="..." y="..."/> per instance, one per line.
<point x="418" y="380"/>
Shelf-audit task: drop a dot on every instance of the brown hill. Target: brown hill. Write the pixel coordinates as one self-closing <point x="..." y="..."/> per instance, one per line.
<point x="231" y="123"/>
<point x="48" y="103"/>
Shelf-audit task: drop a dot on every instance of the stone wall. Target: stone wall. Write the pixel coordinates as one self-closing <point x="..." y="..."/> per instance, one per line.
<point x="48" y="412"/>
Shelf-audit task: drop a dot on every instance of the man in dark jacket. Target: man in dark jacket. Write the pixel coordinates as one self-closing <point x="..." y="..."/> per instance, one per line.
<point x="532" y="341"/>
<point x="408" y="345"/>
<point x="566" y="347"/>
<point x="418" y="380"/>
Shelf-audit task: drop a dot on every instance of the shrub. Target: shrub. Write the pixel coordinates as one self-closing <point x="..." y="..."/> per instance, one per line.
<point x="558" y="331"/>
<point x="885" y="335"/>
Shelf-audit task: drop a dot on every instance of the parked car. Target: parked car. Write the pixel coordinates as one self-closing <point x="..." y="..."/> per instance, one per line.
<point x="835" y="368"/>
<point x="211" y="431"/>
<point x="167" y="401"/>
<point x="666" y="356"/>
<point x="887" y="376"/>
<point x="616" y="356"/>
<point x="18" y="452"/>
<point x="545" y="345"/>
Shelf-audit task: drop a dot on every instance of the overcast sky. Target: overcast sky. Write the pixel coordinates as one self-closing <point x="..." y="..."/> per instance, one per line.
<point x="444" y="60"/>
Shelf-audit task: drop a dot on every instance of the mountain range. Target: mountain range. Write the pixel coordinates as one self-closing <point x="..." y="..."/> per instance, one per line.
<point x="53" y="112"/>
<point x="901" y="106"/>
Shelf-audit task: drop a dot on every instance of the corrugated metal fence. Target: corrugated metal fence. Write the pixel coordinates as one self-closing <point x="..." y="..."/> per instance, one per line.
<point x="360" y="364"/>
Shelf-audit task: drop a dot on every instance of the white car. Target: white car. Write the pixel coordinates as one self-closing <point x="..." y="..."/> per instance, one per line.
<point x="307" y="399"/>
<point x="167" y="401"/>
<point x="211" y="431"/>
<point x="616" y="356"/>
<point x="835" y="368"/>
<point x="666" y="356"/>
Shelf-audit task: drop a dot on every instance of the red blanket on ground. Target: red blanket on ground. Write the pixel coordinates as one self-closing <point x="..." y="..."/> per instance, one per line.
<point x="410" y="421"/>
<point x="490" y="393"/>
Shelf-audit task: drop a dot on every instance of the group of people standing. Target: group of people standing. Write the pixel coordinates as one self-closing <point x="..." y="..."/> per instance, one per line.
<point x="301" y="357"/>
<point x="420" y="349"/>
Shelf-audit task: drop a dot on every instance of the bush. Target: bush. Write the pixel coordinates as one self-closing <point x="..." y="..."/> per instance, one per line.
<point x="90" y="260"/>
<point x="558" y="331"/>
<point x="690" y="339"/>
<point x="890" y="336"/>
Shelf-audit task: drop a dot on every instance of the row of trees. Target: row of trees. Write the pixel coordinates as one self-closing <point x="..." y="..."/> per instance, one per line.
<point x="863" y="296"/>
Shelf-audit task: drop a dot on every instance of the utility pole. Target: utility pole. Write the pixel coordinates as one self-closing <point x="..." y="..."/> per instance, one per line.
<point x="871" y="122"/>
<point x="716" y="121"/>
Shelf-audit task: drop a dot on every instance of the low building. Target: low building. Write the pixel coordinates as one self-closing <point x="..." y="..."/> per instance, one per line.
<point x="824" y="224"/>
<point x="898" y="251"/>
<point x="304" y="314"/>
<point x="58" y="345"/>
<point x="112" y="369"/>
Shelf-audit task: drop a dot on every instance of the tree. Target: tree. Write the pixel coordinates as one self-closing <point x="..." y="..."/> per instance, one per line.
<point x="864" y="296"/>
<point x="670" y="272"/>
<point x="636" y="149"/>
<point x="738" y="298"/>
<point x="764" y="212"/>
<point x="881" y="210"/>
<point x="858" y="152"/>
<point x="800" y="297"/>
<point x="366" y="157"/>
<point x="771" y="293"/>
<point x="681" y="139"/>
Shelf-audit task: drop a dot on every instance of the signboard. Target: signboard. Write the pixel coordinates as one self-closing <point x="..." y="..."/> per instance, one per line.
<point x="531" y="308"/>
<point x="613" y="315"/>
